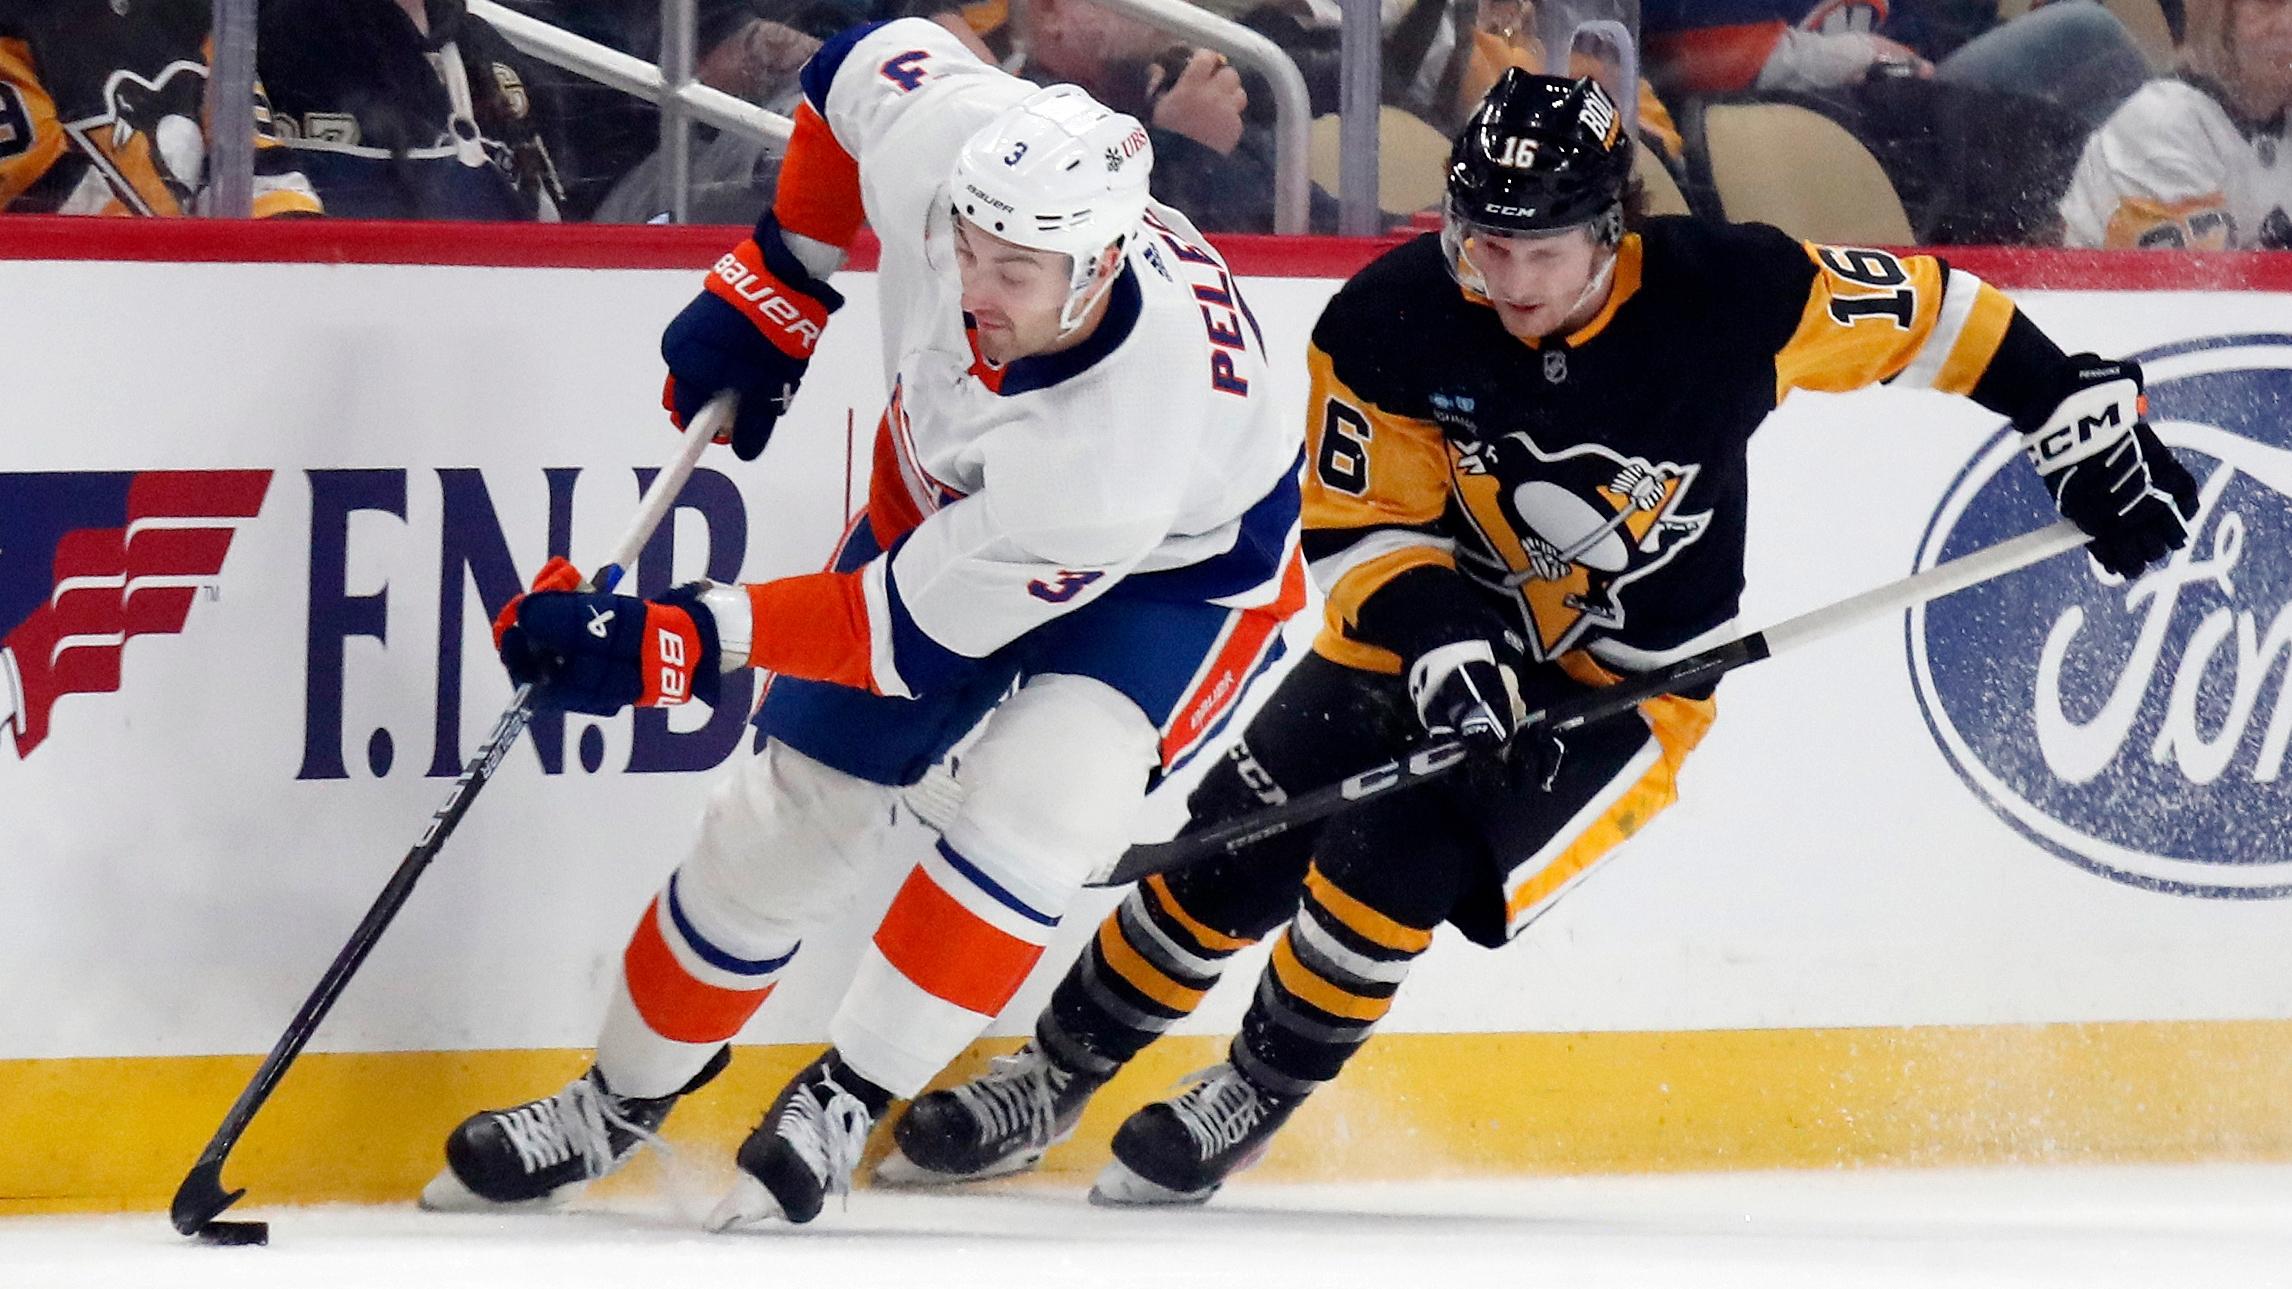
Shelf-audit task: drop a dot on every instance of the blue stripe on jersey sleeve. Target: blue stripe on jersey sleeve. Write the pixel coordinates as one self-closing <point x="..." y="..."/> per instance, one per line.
<point x="819" y="71"/>
<point x="1253" y="560"/>
<point x="922" y="662"/>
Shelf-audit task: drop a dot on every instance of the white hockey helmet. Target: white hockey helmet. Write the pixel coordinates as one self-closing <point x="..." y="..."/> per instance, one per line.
<point x="1059" y="171"/>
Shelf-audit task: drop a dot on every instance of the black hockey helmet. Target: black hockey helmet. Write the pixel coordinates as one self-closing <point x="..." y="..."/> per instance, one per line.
<point x="1539" y="155"/>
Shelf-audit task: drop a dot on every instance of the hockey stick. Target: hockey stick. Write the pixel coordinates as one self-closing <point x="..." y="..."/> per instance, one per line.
<point x="1436" y="757"/>
<point x="201" y="1196"/>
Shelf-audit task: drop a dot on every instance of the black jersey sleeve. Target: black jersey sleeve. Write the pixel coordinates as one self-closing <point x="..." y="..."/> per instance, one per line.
<point x="1841" y="318"/>
<point x="1377" y="468"/>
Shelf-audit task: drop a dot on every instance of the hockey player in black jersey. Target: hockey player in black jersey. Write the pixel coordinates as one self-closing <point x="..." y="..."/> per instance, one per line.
<point x="1526" y="474"/>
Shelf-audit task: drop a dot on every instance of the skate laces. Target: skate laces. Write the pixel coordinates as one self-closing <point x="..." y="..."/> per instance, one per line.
<point x="1219" y="1110"/>
<point x="576" y="1123"/>
<point x="1017" y="1097"/>
<point x="827" y="1128"/>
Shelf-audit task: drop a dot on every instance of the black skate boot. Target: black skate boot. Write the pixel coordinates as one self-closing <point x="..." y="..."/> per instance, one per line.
<point x="541" y="1154"/>
<point x="806" y="1148"/>
<point x="1181" y="1150"/>
<point x="997" y="1124"/>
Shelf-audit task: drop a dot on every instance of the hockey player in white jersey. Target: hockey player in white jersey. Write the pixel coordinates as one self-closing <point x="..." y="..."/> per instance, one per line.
<point x="1083" y="498"/>
<point x="2197" y="160"/>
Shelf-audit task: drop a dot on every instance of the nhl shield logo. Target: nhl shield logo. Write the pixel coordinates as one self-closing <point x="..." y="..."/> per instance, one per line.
<point x="2137" y="730"/>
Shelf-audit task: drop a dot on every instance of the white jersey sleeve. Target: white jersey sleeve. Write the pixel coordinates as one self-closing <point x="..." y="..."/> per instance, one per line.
<point x="1085" y="485"/>
<point x="901" y="97"/>
<point x="2156" y="174"/>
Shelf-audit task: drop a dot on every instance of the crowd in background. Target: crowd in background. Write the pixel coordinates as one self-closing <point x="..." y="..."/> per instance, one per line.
<point x="1989" y="120"/>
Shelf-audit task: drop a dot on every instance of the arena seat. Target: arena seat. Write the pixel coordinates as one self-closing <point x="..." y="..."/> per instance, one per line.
<point x="1663" y="194"/>
<point x="1802" y="172"/>
<point x="1412" y="159"/>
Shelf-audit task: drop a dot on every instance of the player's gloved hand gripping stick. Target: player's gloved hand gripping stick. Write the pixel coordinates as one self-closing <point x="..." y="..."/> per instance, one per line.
<point x="1439" y="755"/>
<point x="201" y="1196"/>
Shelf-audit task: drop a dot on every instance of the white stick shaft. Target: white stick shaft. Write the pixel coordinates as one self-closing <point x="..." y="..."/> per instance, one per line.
<point x="663" y="492"/>
<point x="1933" y="584"/>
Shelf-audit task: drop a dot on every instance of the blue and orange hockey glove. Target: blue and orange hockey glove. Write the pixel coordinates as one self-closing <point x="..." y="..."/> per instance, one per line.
<point x="591" y="652"/>
<point x="753" y="330"/>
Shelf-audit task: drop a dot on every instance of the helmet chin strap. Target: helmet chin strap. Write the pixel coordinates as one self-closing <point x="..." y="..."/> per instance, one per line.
<point x="1083" y="296"/>
<point x="1598" y="283"/>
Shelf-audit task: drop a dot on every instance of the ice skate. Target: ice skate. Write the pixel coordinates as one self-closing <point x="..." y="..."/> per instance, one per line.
<point x="805" y="1150"/>
<point x="1180" y="1151"/>
<point x="541" y="1154"/>
<point x="995" y="1125"/>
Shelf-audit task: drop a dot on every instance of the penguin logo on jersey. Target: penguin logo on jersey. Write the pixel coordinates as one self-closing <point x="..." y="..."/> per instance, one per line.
<point x="1573" y="528"/>
<point x="165" y="114"/>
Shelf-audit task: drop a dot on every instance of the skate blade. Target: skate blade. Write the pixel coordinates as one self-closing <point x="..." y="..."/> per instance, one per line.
<point x="445" y="1193"/>
<point x="1118" y="1187"/>
<point x="745" y="1204"/>
<point x="900" y="1171"/>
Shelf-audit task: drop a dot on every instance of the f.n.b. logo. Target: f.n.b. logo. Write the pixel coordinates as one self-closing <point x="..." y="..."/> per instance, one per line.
<point x="89" y="561"/>
<point x="2137" y="729"/>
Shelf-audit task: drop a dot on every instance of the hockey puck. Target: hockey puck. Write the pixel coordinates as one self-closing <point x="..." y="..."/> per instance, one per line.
<point x="236" y="1233"/>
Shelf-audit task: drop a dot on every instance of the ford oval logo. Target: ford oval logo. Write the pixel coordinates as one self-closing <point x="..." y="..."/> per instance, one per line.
<point x="2139" y="729"/>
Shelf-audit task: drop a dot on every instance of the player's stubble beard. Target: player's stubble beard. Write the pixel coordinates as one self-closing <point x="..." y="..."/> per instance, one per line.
<point x="1523" y="324"/>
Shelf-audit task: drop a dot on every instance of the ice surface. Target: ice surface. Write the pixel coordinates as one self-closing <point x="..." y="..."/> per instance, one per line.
<point x="2091" y="1228"/>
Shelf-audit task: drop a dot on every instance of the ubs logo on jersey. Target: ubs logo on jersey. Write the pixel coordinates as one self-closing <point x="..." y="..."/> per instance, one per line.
<point x="1573" y="528"/>
<point x="93" y="560"/>
<point x="2136" y="730"/>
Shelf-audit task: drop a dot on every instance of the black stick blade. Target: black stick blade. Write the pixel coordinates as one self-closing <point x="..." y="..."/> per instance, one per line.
<point x="201" y="1197"/>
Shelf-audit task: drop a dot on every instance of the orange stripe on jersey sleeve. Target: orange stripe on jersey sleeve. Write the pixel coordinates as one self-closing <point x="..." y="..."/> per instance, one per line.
<point x="672" y="1003"/>
<point x="950" y="952"/>
<point x="892" y="510"/>
<point x="813" y="626"/>
<point x="819" y="194"/>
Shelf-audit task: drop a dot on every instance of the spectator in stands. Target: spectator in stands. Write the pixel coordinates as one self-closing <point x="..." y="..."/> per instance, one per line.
<point x="1212" y="158"/>
<point x="2197" y="160"/>
<point x="984" y="26"/>
<point x="407" y="109"/>
<point x="2073" y="54"/>
<point x="602" y="132"/>
<point x="733" y="177"/>
<point x="102" y="114"/>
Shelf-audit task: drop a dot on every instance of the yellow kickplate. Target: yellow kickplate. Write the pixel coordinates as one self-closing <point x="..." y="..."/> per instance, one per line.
<point x="117" y="1134"/>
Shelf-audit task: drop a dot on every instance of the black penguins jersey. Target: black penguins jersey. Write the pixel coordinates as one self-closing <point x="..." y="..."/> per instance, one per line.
<point x="1594" y="486"/>
<point x="102" y="112"/>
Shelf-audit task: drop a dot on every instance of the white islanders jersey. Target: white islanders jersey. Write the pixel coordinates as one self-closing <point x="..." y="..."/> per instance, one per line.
<point x="1151" y="459"/>
<point x="2173" y="168"/>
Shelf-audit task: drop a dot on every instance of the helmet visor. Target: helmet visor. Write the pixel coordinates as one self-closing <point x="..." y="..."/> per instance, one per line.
<point x="1459" y="235"/>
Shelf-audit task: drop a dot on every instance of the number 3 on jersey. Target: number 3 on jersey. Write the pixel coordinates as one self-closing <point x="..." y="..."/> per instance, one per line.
<point x="1343" y="461"/>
